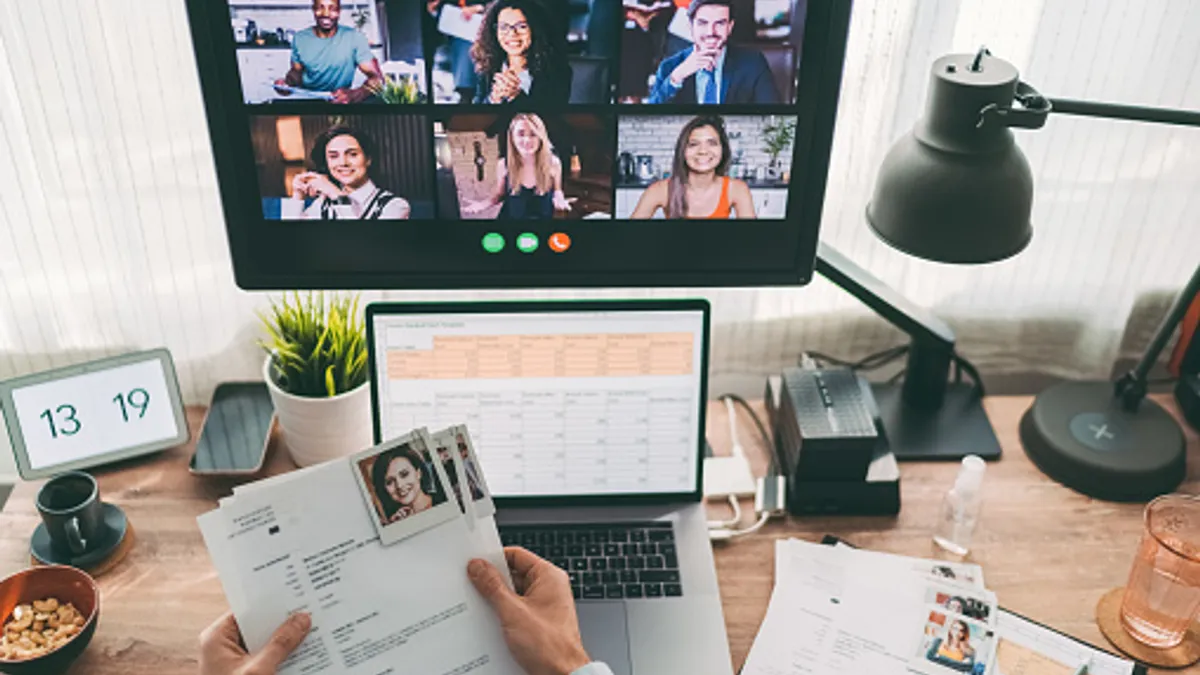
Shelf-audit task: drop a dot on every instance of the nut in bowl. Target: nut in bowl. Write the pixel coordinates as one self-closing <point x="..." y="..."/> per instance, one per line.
<point x="47" y="618"/>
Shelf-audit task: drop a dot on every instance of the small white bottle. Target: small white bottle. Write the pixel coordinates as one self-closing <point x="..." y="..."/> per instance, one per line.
<point x="960" y="508"/>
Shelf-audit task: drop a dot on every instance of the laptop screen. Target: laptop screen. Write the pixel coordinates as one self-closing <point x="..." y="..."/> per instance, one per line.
<point x="558" y="403"/>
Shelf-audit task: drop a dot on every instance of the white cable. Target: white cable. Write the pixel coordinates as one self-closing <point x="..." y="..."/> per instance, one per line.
<point x="725" y="535"/>
<point x="733" y="432"/>
<point x="732" y="522"/>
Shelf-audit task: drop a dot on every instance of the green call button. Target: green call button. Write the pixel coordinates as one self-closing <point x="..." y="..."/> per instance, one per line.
<point x="493" y="242"/>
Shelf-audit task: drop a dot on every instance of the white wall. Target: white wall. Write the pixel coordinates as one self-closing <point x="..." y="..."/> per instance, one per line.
<point x="8" y="466"/>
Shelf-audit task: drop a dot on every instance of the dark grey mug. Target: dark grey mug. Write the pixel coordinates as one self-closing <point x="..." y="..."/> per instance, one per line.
<point x="71" y="509"/>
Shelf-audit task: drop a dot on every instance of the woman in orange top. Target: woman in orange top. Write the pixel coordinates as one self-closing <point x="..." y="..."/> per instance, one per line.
<point x="698" y="186"/>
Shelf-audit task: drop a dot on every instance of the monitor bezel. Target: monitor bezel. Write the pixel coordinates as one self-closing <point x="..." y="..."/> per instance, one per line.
<point x="684" y="305"/>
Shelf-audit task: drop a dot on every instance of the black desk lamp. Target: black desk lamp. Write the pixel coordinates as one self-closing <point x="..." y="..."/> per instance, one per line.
<point x="957" y="189"/>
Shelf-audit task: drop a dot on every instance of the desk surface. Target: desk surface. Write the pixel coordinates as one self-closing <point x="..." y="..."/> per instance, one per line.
<point x="1049" y="553"/>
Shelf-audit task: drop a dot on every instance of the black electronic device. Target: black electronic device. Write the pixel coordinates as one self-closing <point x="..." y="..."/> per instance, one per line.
<point x="829" y="430"/>
<point x="236" y="430"/>
<point x="436" y="154"/>
<point x="876" y="491"/>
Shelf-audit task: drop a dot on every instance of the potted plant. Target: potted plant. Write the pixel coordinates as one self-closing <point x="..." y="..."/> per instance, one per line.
<point x="777" y="137"/>
<point x="316" y="371"/>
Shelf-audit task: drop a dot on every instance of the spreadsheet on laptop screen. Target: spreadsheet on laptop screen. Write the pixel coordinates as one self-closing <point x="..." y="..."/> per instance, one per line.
<point x="557" y="403"/>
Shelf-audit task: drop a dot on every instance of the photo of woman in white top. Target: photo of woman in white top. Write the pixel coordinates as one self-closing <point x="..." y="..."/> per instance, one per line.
<point x="341" y="187"/>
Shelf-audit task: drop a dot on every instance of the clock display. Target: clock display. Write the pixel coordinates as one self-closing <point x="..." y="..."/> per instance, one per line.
<point x="95" y="413"/>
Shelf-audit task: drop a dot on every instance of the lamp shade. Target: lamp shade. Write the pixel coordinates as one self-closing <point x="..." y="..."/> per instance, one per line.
<point x="957" y="189"/>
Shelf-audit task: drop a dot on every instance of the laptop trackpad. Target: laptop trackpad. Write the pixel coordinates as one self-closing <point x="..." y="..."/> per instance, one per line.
<point x="605" y="635"/>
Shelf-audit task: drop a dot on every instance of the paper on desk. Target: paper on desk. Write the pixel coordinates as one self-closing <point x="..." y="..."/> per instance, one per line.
<point x="307" y="543"/>
<point x="1029" y="649"/>
<point x="452" y="22"/>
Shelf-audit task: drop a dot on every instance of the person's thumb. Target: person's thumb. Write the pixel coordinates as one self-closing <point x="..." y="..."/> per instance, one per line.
<point x="491" y="586"/>
<point x="283" y="642"/>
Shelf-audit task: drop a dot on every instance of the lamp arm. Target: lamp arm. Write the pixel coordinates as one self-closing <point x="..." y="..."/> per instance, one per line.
<point x="1131" y="387"/>
<point x="932" y="352"/>
<point x="1120" y="111"/>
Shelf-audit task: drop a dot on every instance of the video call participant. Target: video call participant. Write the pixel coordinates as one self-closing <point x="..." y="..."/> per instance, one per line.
<point x="341" y="188"/>
<point x="326" y="56"/>
<point x="518" y="57"/>
<point x="528" y="178"/>
<point x="956" y="650"/>
<point x="539" y="622"/>
<point x="398" y="477"/>
<point x="698" y="186"/>
<point x="712" y="70"/>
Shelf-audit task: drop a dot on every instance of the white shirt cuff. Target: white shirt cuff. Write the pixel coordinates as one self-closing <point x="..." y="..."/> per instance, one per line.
<point x="594" y="668"/>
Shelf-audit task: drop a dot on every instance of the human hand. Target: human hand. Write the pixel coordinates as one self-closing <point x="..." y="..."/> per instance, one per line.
<point x="347" y="95"/>
<point x="505" y="86"/>
<point x="539" y="621"/>
<point x="279" y="87"/>
<point x="312" y="184"/>
<point x="222" y="653"/>
<point x="696" y="61"/>
<point x="475" y="207"/>
<point x="562" y="202"/>
<point x="471" y="10"/>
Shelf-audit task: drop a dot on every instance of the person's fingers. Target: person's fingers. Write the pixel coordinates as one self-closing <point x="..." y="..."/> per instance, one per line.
<point x="520" y="560"/>
<point x="491" y="586"/>
<point x="283" y="642"/>
<point x="223" y="630"/>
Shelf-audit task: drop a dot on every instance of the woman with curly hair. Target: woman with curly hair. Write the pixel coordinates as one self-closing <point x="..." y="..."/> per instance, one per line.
<point x="518" y="57"/>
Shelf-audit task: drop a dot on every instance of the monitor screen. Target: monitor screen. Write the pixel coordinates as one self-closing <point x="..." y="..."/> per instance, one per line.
<point x="519" y="143"/>
<point x="581" y="403"/>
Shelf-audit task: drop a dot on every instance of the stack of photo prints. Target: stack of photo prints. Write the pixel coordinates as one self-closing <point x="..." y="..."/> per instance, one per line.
<point x="375" y="547"/>
<point x="519" y="109"/>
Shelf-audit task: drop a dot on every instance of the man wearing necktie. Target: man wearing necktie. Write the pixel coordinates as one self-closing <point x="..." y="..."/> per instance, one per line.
<point x="712" y="71"/>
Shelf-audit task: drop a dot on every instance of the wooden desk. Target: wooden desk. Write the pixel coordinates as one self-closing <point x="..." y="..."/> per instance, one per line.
<point x="1046" y="551"/>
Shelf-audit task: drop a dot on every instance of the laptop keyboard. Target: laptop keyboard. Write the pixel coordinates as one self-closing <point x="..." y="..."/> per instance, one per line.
<point x="614" y="561"/>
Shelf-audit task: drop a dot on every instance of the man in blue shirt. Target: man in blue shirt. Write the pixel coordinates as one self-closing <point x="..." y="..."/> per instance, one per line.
<point x="712" y="70"/>
<point x="326" y="57"/>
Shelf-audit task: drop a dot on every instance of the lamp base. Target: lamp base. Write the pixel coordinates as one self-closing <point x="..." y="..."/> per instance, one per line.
<point x="1079" y="434"/>
<point x="959" y="427"/>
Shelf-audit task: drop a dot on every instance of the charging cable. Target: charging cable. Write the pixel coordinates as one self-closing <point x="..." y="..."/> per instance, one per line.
<point x="769" y="492"/>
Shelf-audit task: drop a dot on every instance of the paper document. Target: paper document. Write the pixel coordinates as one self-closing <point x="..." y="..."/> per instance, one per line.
<point x="298" y="94"/>
<point x="311" y="541"/>
<point x="837" y="610"/>
<point x="454" y="23"/>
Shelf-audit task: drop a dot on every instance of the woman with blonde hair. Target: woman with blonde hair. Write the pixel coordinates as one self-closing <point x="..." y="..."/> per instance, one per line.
<point x="698" y="186"/>
<point x="528" y="177"/>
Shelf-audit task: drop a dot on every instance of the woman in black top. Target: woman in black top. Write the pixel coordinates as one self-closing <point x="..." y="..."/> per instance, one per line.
<point x="529" y="177"/>
<point x="518" y="57"/>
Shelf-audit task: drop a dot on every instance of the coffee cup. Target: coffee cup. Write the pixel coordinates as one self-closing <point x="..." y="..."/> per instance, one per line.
<point x="71" y="509"/>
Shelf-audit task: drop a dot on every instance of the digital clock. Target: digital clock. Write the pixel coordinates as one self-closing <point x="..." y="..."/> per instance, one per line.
<point x="94" y="413"/>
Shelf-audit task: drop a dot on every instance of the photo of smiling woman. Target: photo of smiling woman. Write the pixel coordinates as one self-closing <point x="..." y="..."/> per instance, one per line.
<point x="402" y="483"/>
<point x="341" y="188"/>
<point x="362" y="168"/>
<point x="699" y="186"/>
<point x="518" y="57"/>
<point x="529" y="183"/>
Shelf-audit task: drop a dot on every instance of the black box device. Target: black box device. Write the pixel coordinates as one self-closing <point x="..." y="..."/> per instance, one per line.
<point x="831" y="444"/>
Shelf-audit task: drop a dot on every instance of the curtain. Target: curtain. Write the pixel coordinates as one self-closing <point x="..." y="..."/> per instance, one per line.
<point x="112" y="240"/>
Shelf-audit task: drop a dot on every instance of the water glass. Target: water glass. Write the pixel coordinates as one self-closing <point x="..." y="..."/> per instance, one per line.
<point x="1162" y="597"/>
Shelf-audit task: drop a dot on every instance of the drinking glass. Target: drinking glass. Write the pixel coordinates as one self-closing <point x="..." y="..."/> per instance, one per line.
<point x="1162" y="597"/>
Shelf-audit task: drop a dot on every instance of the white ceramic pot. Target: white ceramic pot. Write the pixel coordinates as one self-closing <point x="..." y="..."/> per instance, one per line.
<point x="319" y="429"/>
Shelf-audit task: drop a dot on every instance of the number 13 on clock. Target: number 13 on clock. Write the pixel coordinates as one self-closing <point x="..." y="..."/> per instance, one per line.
<point x="94" y="412"/>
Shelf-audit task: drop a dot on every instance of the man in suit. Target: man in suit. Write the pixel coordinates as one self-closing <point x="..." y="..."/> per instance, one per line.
<point x="712" y="70"/>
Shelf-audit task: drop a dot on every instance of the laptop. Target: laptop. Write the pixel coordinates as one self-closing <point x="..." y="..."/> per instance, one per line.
<point x="588" y="419"/>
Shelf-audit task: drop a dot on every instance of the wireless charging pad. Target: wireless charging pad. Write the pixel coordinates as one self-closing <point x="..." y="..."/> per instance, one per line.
<point x="1079" y="434"/>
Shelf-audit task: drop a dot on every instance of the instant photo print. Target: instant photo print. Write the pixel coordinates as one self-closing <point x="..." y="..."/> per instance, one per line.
<point x="953" y="644"/>
<point x="405" y="488"/>
<point x="453" y="444"/>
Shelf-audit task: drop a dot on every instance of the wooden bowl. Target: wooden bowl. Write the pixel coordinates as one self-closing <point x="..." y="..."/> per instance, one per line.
<point x="67" y="584"/>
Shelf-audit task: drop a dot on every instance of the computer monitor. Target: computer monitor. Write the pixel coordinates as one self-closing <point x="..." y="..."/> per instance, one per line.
<point x="520" y="143"/>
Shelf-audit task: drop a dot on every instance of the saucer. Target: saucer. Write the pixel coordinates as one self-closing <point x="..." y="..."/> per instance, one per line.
<point x="115" y="526"/>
